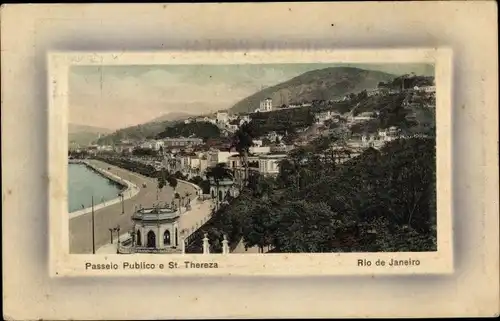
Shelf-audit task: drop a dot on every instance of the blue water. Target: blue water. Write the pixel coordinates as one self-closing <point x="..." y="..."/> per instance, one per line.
<point x="83" y="183"/>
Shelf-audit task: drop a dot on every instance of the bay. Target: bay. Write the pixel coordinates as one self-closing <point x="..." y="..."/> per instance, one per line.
<point x="83" y="183"/>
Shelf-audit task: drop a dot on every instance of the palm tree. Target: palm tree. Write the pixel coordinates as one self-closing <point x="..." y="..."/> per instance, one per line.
<point x="162" y="182"/>
<point x="242" y="141"/>
<point x="172" y="181"/>
<point x="217" y="174"/>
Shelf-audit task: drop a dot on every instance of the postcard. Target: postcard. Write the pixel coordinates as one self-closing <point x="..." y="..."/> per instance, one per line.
<point x="249" y="160"/>
<point x="260" y="162"/>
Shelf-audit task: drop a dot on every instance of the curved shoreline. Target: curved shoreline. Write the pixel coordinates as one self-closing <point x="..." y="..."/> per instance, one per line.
<point x="129" y="189"/>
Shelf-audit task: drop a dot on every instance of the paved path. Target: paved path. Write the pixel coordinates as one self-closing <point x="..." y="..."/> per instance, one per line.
<point x="80" y="228"/>
<point x="192" y="220"/>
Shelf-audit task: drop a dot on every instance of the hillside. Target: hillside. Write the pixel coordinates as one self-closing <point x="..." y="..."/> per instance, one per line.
<point x="171" y="117"/>
<point x="203" y="130"/>
<point x="322" y="84"/>
<point x="77" y="128"/>
<point x="146" y="130"/>
<point x="84" y="135"/>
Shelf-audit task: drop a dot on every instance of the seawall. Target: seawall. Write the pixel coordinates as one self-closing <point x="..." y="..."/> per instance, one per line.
<point x="128" y="190"/>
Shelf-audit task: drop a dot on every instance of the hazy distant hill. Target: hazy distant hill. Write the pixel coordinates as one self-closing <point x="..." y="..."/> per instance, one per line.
<point x="146" y="130"/>
<point x="321" y="84"/>
<point x="84" y="135"/>
<point x="171" y="117"/>
<point x="77" y="128"/>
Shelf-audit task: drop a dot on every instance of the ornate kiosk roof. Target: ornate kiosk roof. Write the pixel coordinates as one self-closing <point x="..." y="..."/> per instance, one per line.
<point x="155" y="214"/>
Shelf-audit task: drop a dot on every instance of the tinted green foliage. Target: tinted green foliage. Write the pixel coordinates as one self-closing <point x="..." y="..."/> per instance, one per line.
<point x="204" y="130"/>
<point x="321" y="84"/>
<point x="379" y="201"/>
<point x="144" y="152"/>
<point x="138" y="132"/>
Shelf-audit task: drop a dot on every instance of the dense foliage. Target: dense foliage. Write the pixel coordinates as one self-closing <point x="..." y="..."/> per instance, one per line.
<point x="321" y="84"/>
<point x="131" y="165"/>
<point x="138" y="132"/>
<point x="409" y="81"/>
<point x="282" y="121"/>
<point x="380" y="201"/>
<point x="145" y="152"/>
<point x="203" y="184"/>
<point x="204" y="130"/>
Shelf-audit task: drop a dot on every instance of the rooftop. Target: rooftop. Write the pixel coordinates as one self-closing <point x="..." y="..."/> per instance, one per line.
<point x="273" y="155"/>
<point x="156" y="213"/>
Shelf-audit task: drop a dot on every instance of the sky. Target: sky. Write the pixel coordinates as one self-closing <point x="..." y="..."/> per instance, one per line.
<point x="115" y="97"/>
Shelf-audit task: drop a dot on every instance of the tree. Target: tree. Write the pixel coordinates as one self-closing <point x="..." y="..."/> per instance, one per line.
<point x="305" y="227"/>
<point x="204" y="130"/>
<point x="258" y="227"/>
<point x="172" y="181"/>
<point x="217" y="174"/>
<point x="179" y="175"/>
<point x="261" y="186"/>
<point x="242" y="141"/>
<point x="144" y="152"/>
<point x="411" y="183"/>
<point x="162" y="181"/>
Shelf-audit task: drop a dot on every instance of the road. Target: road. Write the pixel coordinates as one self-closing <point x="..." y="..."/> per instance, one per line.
<point x="80" y="228"/>
<point x="190" y="220"/>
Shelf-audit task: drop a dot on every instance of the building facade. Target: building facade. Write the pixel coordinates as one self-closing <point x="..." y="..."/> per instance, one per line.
<point x="182" y="142"/>
<point x="266" y="105"/>
<point x="269" y="164"/>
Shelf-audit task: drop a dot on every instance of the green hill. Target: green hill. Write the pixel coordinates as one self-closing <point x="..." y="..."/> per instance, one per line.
<point x="203" y="130"/>
<point x="138" y="132"/>
<point x="322" y="84"/>
<point x="143" y="131"/>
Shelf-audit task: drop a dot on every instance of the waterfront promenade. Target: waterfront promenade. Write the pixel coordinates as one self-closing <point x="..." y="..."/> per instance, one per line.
<point x="80" y="227"/>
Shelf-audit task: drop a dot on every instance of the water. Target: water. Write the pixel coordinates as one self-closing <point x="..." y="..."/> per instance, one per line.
<point x="83" y="183"/>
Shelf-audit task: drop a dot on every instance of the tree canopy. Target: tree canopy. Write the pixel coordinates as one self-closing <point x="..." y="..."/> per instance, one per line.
<point x="204" y="130"/>
<point x="382" y="200"/>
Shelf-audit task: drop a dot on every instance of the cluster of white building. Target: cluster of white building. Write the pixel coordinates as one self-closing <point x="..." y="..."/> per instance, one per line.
<point x="262" y="158"/>
<point x="223" y="120"/>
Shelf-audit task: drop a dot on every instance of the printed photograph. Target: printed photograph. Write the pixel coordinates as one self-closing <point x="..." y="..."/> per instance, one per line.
<point x="252" y="158"/>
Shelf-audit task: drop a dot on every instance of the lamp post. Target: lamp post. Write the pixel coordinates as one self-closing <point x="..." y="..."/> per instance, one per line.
<point x="123" y="206"/>
<point x="117" y="228"/>
<point x="93" y="227"/>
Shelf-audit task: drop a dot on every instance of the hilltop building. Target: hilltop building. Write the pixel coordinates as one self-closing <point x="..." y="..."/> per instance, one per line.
<point x="265" y="105"/>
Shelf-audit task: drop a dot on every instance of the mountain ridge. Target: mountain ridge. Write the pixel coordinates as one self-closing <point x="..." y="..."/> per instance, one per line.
<point x="320" y="84"/>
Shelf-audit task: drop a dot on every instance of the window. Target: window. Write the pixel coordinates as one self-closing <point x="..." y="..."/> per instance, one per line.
<point x="166" y="238"/>
<point x="138" y="238"/>
<point x="151" y="239"/>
